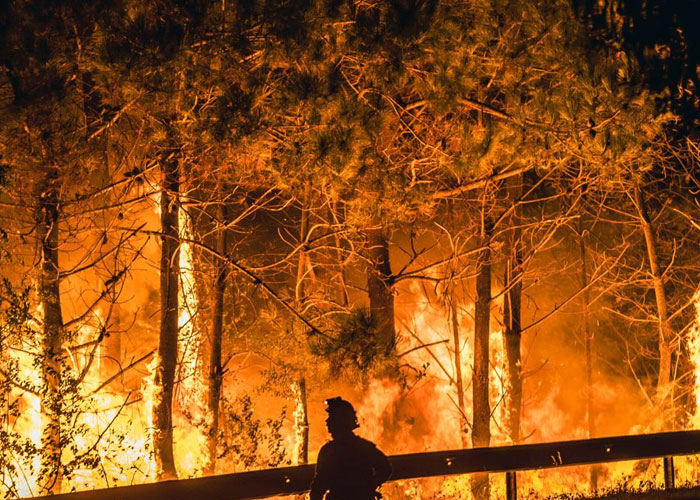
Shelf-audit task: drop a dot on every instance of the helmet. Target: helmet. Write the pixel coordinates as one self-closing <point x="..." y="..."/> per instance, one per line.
<point x="341" y="414"/>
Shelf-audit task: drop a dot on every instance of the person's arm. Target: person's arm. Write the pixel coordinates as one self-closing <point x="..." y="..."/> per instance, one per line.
<point x="382" y="468"/>
<point x="319" y="485"/>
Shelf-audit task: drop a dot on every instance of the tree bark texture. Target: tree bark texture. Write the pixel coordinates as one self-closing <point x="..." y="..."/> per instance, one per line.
<point x="50" y="301"/>
<point x="341" y="289"/>
<point x="663" y="385"/>
<point x="167" y="346"/>
<point x="459" y="380"/>
<point x="301" y="421"/>
<point x="379" y="286"/>
<point x="512" y="317"/>
<point x="298" y="385"/>
<point x="481" y="433"/>
<point x="588" y="341"/>
<point x="304" y="264"/>
<point x="216" y="370"/>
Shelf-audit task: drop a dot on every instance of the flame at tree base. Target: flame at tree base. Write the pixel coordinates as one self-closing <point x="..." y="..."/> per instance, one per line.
<point x="420" y="416"/>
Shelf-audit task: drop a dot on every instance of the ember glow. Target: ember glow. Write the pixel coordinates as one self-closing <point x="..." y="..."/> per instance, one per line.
<point x="478" y="222"/>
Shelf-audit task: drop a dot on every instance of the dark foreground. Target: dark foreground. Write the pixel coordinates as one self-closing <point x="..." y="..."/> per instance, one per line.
<point x="677" y="494"/>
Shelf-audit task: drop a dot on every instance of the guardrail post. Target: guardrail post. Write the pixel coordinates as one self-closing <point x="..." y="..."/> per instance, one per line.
<point x="511" y="486"/>
<point x="669" y="473"/>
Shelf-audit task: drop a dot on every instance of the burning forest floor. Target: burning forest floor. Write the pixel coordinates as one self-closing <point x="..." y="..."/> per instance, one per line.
<point x="619" y="494"/>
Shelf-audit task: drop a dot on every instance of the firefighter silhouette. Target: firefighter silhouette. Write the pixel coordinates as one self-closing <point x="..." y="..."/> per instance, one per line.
<point x="348" y="467"/>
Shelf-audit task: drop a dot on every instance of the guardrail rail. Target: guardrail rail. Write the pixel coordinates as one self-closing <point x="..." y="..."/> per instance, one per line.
<point x="497" y="459"/>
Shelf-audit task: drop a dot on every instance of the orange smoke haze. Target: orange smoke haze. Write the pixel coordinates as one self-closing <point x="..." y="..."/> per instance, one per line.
<point x="421" y="415"/>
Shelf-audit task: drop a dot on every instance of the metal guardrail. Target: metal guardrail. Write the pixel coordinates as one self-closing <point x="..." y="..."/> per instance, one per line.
<point x="508" y="459"/>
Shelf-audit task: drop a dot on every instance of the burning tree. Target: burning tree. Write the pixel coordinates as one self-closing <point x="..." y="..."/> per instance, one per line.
<point x="65" y="234"/>
<point x="295" y="173"/>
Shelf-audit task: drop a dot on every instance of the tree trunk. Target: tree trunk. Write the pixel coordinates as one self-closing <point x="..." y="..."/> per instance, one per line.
<point x="459" y="380"/>
<point x="304" y="267"/>
<point x="216" y="371"/>
<point x="111" y="357"/>
<point x="379" y="287"/>
<point x="481" y="434"/>
<point x="298" y="386"/>
<point x="50" y="302"/>
<point x="664" y="394"/>
<point x="167" y="347"/>
<point x="342" y="289"/>
<point x="301" y="422"/>
<point x="587" y="339"/>
<point x="512" y="317"/>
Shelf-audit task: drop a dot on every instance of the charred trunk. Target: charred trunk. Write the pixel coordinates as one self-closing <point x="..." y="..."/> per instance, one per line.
<point x="167" y="346"/>
<point x="301" y="421"/>
<point x="216" y="370"/>
<point x="664" y="396"/>
<point x="459" y="380"/>
<point x="587" y="340"/>
<point x="298" y="385"/>
<point x="379" y="287"/>
<point x="481" y="433"/>
<point x="52" y="329"/>
<point x="304" y="267"/>
<point x="512" y="331"/>
<point x="342" y="289"/>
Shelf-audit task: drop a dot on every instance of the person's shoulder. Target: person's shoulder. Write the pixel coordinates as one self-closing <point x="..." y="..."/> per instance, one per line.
<point x="329" y="445"/>
<point x="369" y="448"/>
<point x="327" y="448"/>
<point x="365" y="443"/>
